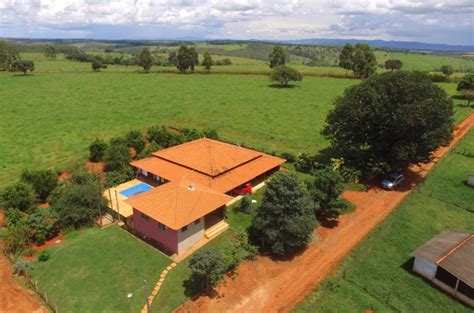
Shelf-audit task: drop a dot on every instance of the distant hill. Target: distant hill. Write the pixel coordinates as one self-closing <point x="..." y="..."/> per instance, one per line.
<point x="403" y="45"/>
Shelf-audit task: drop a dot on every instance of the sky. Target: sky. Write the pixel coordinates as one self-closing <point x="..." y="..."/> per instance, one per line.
<point x="450" y="21"/>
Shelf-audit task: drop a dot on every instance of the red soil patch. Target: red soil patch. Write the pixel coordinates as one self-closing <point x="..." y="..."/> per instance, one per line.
<point x="266" y="285"/>
<point x="64" y="175"/>
<point x="56" y="241"/>
<point x="94" y="166"/>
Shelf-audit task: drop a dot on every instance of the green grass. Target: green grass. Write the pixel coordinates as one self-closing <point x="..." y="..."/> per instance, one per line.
<point x="93" y="272"/>
<point x="377" y="273"/>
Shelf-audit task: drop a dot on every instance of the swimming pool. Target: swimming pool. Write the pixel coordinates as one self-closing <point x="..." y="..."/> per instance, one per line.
<point x="136" y="190"/>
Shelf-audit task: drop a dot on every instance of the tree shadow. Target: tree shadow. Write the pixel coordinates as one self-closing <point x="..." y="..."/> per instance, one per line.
<point x="290" y="254"/>
<point x="327" y="220"/>
<point x="194" y="288"/>
<point x="279" y="86"/>
<point x="23" y="75"/>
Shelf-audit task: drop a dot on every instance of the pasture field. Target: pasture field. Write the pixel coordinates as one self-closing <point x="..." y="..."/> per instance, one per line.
<point x="377" y="276"/>
<point x="93" y="272"/>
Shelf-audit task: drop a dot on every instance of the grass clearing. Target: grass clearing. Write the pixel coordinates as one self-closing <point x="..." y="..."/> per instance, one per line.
<point x="94" y="271"/>
<point x="377" y="274"/>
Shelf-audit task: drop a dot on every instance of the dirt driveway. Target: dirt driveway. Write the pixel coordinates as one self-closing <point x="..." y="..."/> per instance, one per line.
<point x="265" y="285"/>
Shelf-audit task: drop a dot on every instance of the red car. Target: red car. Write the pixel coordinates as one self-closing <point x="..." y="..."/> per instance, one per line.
<point x="243" y="190"/>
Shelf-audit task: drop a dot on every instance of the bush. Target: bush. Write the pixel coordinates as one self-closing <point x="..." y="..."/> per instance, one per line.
<point x="211" y="133"/>
<point x="290" y="158"/>
<point x="43" y="256"/>
<point x="116" y="178"/>
<point x="207" y="267"/>
<point x="21" y="267"/>
<point x="97" y="150"/>
<point x="245" y="204"/>
<point x="12" y="216"/>
<point x="147" y="152"/>
<point x="28" y="252"/>
<point x="117" y="156"/>
<point x="42" y="181"/>
<point x="17" y="237"/>
<point x="283" y="74"/>
<point x="43" y="224"/>
<point x="135" y="140"/>
<point x="163" y="137"/>
<point x="190" y="134"/>
<point x="19" y="196"/>
<point x="438" y="78"/>
<point x="305" y="163"/>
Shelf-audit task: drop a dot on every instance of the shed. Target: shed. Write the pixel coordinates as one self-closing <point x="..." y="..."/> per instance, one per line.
<point x="470" y="179"/>
<point x="447" y="260"/>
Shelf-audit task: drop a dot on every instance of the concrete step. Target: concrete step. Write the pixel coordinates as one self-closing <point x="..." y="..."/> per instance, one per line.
<point x="216" y="230"/>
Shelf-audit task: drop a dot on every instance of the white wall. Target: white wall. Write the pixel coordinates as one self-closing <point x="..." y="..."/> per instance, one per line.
<point x="191" y="236"/>
<point x="424" y="268"/>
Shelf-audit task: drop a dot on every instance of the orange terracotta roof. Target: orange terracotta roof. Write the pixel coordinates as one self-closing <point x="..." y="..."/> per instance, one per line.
<point x="177" y="204"/>
<point x="210" y="157"/>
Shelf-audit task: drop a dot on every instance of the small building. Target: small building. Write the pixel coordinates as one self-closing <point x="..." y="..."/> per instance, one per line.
<point x="180" y="194"/>
<point x="470" y="179"/>
<point x="447" y="261"/>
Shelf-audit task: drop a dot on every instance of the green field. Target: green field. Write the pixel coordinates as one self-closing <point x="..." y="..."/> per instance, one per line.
<point x="94" y="271"/>
<point x="377" y="273"/>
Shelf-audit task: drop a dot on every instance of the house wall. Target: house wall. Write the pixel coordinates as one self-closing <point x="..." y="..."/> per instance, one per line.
<point x="424" y="268"/>
<point x="151" y="229"/>
<point x="191" y="236"/>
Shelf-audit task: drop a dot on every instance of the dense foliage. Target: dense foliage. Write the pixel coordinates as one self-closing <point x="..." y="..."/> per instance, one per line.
<point x="364" y="62"/>
<point x="447" y="70"/>
<point x="346" y="57"/>
<point x="43" y="225"/>
<point x="19" y="196"/>
<point x="466" y="87"/>
<point x="277" y="57"/>
<point x="186" y="58"/>
<point x="42" y="181"/>
<point x="285" y="220"/>
<point x="206" y="60"/>
<point x="8" y="55"/>
<point x="283" y="74"/>
<point x="393" y="65"/>
<point x="207" y="267"/>
<point x="97" y="150"/>
<point x="145" y="59"/>
<point x="390" y="120"/>
<point x="50" y="52"/>
<point x="23" y="66"/>
<point x="135" y="140"/>
<point x="117" y="156"/>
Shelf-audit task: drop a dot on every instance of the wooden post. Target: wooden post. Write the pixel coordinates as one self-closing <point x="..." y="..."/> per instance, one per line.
<point x="110" y="199"/>
<point x="36" y="286"/>
<point x="56" y="308"/>
<point x="46" y="297"/>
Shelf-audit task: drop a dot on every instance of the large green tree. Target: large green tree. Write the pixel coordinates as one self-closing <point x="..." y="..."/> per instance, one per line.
<point x="393" y="64"/>
<point x="447" y="70"/>
<point x="50" y="52"/>
<point x="206" y="60"/>
<point x="285" y="220"/>
<point x="466" y="87"/>
<point x="117" y="155"/>
<point x="186" y="58"/>
<point x="20" y="196"/>
<point x="346" y="57"/>
<point x="42" y="181"/>
<point x="277" y="57"/>
<point x="364" y="62"/>
<point x="390" y="120"/>
<point x="207" y="267"/>
<point x="8" y="55"/>
<point x="145" y="59"/>
<point x="23" y="66"/>
<point x="283" y="74"/>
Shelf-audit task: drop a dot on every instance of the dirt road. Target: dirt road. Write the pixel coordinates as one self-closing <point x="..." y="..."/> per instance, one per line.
<point x="13" y="298"/>
<point x="265" y="285"/>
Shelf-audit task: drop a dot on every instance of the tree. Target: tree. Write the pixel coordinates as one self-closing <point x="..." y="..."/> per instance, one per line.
<point x="16" y="237"/>
<point x="19" y="196"/>
<point x="389" y="120"/>
<point x="283" y="74"/>
<point x="393" y="65"/>
<point x="285" y="220"/>
<point x="364" y="61"/>
<point x="79" y="200"/>
<point x="117" y="155"/>
<point x="207" y="267"/>
<point x="466" y="87"/>
<point x="8" y="55"/>
<point x="50" y="52"/>
<point x="42" y="181"/>
<point x="145" y="59"/>
<point x="346" y="57"/>
<point x="135" y="140"/>
<point x="447" y="70"/>
<point x="24" y="66"/>
<point x="325" y="188"/>
<point x="97" y="150"/>
<point x="186" y="58"/>
<point x="97" y="65"/>
<point x="207" y="61"/>
<point x="43" y="225"/>
<point x="277" y="57"/>
<point x="173" y="58"/>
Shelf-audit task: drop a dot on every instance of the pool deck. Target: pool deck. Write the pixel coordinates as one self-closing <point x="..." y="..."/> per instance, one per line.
<point x="115" y="200"/>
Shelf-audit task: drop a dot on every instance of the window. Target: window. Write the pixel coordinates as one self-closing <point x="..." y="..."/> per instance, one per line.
<point x="196" y="222"/>
<point x="446" y="277"/>
<point x="466" y="290"/>
<point x="185" y="228"/>
<point x="161" y="226"/>
<point x="145" y="217"/>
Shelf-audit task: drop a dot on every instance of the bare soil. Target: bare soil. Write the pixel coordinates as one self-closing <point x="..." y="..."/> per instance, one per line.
<point x="267" y="285"/>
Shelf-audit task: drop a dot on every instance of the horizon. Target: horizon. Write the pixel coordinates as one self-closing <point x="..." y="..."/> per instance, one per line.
<point x="428" y="22"/>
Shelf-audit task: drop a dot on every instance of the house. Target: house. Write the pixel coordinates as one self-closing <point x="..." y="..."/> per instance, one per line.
<point x="447" y="261"/>
<point x="180" y="194"/>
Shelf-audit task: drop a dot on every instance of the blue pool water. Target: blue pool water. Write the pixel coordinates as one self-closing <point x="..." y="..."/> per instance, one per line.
<point x="136" y="190"/>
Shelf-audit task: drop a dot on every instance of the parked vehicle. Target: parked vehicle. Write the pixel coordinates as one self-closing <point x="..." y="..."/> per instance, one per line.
<point x="392" y="180"/>
<point x="243" y="190"/>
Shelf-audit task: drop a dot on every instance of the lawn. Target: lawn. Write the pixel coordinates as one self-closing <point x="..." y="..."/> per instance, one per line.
<point x="93" y="272"/>
<point x="377" y="274"/>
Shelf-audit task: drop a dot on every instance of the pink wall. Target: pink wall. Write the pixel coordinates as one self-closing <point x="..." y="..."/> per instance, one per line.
<point x="150" y="228"/>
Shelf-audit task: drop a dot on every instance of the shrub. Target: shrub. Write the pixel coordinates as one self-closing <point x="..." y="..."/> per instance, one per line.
<point x="97" y="150"/>
<point x="135" y="140"/>
<point x="30" y="251"/>
<point x="43" y="256"/>
<point x="283" y="74"/>
<point x="22" y="66"/>
<point x="43" y="224"/>
<point x="117" y="155"/>
<point x="207" y="267"/>
<point x="12" y="216"/>
<point x="116" y="178"/>
<point x="305" y="163"/>
<point x="147" y="152"/>
<point x="17" y="237"/>
<point x="19" y="196"/>
<point x="245" y="204"/>
<point x="160" y="135"/>
<point x="190" y="134"/>
<point x="290" y="158"/>
<point x="211" y="133"/>
<point x="42" y="181"/>
<point x="438" y="78"/>
<point x="21" y="267"/>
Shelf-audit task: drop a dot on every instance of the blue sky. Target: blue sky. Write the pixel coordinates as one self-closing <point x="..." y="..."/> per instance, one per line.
<point x="450" y="22"/>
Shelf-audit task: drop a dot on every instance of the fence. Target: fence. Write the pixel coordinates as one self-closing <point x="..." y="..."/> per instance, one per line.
<point x="33" y="284"/>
